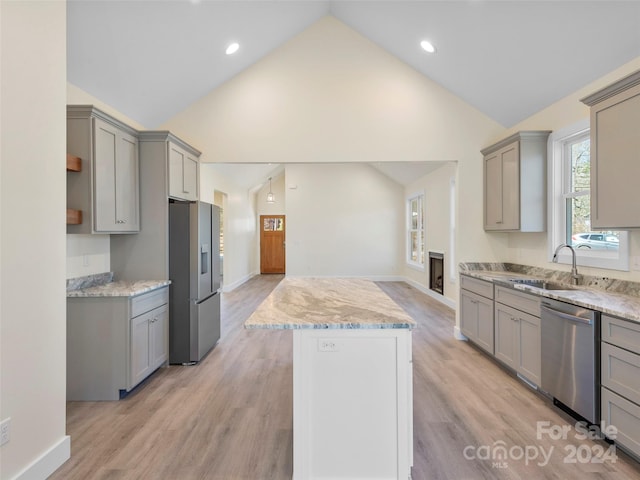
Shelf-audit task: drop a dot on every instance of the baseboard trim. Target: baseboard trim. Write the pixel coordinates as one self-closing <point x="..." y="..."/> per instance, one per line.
<point x="48" y="462"/>
<point x="237" y="283"/>
<point x="373" y="278"/>
<point x="441" y="298"/>
<point x="458" y="335"/>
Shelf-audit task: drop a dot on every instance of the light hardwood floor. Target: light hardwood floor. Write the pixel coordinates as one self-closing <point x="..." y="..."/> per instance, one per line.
<point x="230" y="417"/>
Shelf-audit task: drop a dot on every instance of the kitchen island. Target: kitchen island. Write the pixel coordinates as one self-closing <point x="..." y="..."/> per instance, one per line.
<point x="352" y="377"/>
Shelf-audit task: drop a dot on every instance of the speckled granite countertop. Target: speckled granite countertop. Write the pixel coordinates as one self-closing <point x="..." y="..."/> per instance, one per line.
<point x="611" y="296"/>
<point x="315" y="303"/>
<point x="102" y="285"/>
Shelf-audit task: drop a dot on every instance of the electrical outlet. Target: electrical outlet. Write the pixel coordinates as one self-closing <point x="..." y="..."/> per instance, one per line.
<point x="85" y="260"/>
<point x="5" y="430"/>
<point x="327" y="345"/>
<point x="635" y="264"/>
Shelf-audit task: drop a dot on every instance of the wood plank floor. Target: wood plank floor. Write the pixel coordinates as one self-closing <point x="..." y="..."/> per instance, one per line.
<point x="230" y="418"/>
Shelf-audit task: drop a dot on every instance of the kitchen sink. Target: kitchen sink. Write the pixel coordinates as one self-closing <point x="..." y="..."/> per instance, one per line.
<point x="543" y="284"/>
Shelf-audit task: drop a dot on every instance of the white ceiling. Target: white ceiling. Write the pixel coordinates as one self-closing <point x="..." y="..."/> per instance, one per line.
<point x="151" y="59"/>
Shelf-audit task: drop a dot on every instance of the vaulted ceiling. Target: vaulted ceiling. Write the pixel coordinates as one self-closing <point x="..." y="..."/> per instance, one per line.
<point x="509" y="59"/>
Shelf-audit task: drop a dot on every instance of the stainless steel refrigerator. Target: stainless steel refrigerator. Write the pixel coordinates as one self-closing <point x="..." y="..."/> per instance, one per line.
<point x="194" y="271"/>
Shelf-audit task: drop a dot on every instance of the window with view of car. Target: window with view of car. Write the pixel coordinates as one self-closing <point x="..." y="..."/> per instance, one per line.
<point x="570" y="221"/>
<point x="577" y="163"/>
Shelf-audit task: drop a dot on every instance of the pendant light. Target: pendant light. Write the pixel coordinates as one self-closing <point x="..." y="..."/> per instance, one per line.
<point x="270" y="198"/>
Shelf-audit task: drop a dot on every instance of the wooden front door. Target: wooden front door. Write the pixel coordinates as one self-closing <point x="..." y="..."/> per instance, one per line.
<point x="272" y="234"/>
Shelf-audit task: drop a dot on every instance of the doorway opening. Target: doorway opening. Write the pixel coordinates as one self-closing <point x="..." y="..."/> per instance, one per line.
<point x="220" y="200"/>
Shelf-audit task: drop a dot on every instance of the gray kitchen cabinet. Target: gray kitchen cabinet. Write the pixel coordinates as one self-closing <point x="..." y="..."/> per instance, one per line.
<point x="620" y="379"/>
<point x="515" y="183"/>
<point x="517" y="332"/>
<point x="183" y="173"/>
<point x="146" y="255"/>
<point x="148" y="340"/>
<point x="107" y="187"/>
<point x="476" y="312"/>
<point x="615" y="154"/>
<point x="113" y="343"/>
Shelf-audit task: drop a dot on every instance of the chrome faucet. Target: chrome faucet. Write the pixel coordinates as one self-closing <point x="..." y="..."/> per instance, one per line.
<point x="574" y="270"/>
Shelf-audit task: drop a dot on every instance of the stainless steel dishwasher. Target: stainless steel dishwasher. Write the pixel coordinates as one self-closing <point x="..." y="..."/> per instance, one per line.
<point x="571" y="357"/>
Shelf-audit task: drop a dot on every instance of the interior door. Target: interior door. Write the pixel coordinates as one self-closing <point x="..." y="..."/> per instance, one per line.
<point x="272" y="235"/>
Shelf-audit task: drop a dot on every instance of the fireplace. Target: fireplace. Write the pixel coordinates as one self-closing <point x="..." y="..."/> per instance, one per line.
<point x="436" y="272"/>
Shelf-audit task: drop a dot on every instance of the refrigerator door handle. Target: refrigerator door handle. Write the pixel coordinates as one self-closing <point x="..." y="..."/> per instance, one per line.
<point x="204" y="258"/>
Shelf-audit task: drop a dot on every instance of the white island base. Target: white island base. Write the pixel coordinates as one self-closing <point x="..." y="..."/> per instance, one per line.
<point x="352" y="377"/>
<point x="352" y="404"/>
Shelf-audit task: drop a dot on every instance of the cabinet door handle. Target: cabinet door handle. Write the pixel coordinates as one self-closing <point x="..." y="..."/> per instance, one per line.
<point x="121" y="221"/>
<point x="499" y="222"/>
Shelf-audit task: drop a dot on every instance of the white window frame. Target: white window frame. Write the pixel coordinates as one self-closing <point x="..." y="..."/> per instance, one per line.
<point x="453" y="272"/>
<point x="412" y="264"/>
<point x="557" y="178"/>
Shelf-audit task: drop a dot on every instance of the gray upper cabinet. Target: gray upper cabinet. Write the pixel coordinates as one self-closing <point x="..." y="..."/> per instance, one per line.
<point x="615" y="154"/>
<point x="107" y="188"/>
<point x="164" y="160"/>
<point x="515" y="183"/>
<point x="183" y="172"/>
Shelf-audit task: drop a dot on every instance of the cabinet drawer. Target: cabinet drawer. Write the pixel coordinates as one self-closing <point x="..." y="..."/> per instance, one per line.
<point x="148" y="301"/>
<point x="475" y="285"/>
<point x="623" y="333"/>
<point x="625" y="416"/>
<point x="518" y="300"/>
<point x="621" y="371"/>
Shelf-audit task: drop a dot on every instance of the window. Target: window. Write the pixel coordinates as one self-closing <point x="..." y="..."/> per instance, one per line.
<point x="453" y="272"/>
<point x="571" y="209"/>
<point x="415" y="231"/>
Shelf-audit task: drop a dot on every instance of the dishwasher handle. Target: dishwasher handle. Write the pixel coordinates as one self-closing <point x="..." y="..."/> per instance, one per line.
<point x="566" y="316"/>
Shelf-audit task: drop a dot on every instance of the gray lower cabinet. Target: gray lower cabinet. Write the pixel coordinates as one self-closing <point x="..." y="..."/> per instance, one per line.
<point x="148" y="339"/>
<point x="620" y="379"/>
<point x="517" y="332"/>
<point x="114" y="343"/>
<point x="107" y="187"/>
<point x="476" y="312"/>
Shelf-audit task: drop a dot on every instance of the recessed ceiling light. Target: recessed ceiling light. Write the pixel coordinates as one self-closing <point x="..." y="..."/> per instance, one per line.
<point x="232" y="48"/>
<point x="427" y="46"/>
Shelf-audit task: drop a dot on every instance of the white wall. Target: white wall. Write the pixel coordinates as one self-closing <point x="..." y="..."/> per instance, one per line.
<point x="330" y="95"/>
<point x="240" y="235"/>
<point x="437" y="208"/>
<point x="343" y="220"/>
<point x="32" y="245"/>
<point x="279" y="194"/>
<point x="87" y="255"/>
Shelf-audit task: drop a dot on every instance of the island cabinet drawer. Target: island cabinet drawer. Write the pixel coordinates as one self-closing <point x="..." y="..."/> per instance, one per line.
<point x="148" y="301"/>
<point x="623" y="333"/>
<point x="521" y="301"/>
<point x="481" y="287"/>
<point x="621" y="371"/>
<point x="625" y="416"/>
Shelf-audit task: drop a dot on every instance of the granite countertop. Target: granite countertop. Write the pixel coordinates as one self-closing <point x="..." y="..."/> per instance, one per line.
<point x="102" y="285"/>
<point x="316" y="303"/>
<point x="610" y="296"/>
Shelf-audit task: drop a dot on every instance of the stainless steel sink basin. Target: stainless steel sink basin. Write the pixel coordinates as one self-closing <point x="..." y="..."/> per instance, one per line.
<point x="543" y="284"/>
